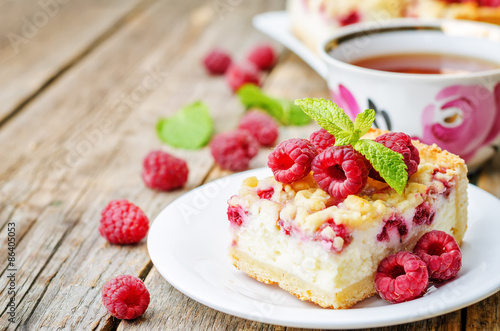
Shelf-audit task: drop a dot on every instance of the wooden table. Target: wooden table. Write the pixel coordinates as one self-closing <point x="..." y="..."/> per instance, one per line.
<point x="82" y="84"/>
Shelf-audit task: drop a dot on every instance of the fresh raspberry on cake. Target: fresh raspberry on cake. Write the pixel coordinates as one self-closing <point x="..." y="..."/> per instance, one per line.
<point x="263" y="56"/>
<point x="340" y="171"/>
<point x="164" y="172"/>
<point x="122" y="222"/>
<point x="234" y="150"/>
<point x="217" y="61"/>
<point x="441" y="253"/>
<point x="238" y="75"/>
<point x="401" y="277"/>
<point x="125" y="297"/>
<point x="322" y="139"/>
<point x="261" y="126"/>
<point x="291" y="160"/>
<point x="401" y="143"/>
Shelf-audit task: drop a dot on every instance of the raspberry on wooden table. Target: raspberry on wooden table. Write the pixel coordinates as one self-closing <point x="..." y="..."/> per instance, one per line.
<point x="322" y="139"/>
<point x="234" y="150"/>
<point x="401" y="143"/>
<point x="122" y="222"/>
<point x="238" y="75"/>
<point x="217" y="61"/>
<point x="340" y="171"/>
<point x="125" y="297"/>
<point x="401" y="277"/>
<point x="441" y="253"/>
<point x="291" y="160"/>
<point x="164" y="172"/>
<point x="263" y="56"/>
<point x="261" y="126"/>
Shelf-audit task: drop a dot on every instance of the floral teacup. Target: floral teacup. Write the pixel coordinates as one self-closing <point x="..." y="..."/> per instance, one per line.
<point x="459" y="112"/>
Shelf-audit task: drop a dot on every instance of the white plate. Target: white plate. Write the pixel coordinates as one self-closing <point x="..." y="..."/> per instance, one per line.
<point x="276" y="25"/>
<point x="189" y="240"/>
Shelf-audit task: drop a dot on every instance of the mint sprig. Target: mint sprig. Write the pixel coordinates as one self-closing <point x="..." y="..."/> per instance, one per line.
<point x="284" y="111"/>
<point x="332" y="118"/>
<point x="190" y="128"/>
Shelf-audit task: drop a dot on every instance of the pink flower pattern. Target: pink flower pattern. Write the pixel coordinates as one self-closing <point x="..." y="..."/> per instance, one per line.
<point x="345" y="100"/>
<point x="463" y="119"/>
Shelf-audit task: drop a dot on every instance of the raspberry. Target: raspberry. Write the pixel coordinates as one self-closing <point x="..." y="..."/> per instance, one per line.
<point x="401" y="143"/>
<point x="291" y="160"/>
<point x="351" y="18"/>
<point x="164" y="172"/>
<point x="424" y="214"/>
<point x="340" y="171"/>
<point x="322" y="139"/>
<point x="236" y="215"/>
<point x="261" y="126"/>
<point x="125" y="297"/>
<point x="441" y="253"/>
<point x="329" y="241"/>
<point x="217" y="62"/>
<point x="401" y="277"/>
<point x="238" y="75"/>
<point x="489" y="3"/>
<point x="266" y="194"/>
<point x="393" y="228"/>
<point x="263" y="56"/>
<point x="123" y="223"/>
<point x="234" y="150"/>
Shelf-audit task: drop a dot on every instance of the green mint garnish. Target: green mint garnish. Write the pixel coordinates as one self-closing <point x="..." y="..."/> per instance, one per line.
<point x="190" y="128"/>
<point x="284" y="111"/>
<point x="333" y="119"/>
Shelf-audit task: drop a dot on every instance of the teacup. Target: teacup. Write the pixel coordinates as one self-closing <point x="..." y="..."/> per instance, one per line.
<point x="459" y="112"/>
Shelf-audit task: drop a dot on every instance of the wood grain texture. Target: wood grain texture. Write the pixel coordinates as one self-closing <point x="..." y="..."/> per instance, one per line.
<point x="79" y="143"/>
<point x="40" y="39"/>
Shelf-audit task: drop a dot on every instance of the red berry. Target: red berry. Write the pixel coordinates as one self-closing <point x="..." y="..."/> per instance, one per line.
<point x="125" y="297"/>
<point x="441" y="253"/>
<point x="236" y="215"/>
<point x="340" y="171"/>
<point x="401" y="277"/>
<point x="217" y="62"/>
<point x="489" y="3"/>
<point x="234" y="150"/>
<point x="263" y="56"/>
<point x="238" y="75"/>
<point x="261" y="126"/>
<point x="291" y="160"/>
<point x="322" y="139"/>
<point x="266" y="194"/>
<point x="123" y="223"/>
<point x="164" y="172"/>
<point x="393" y="228"/>
<point x="401" y="143"/>
<point x="340" y="230"/>
<point x="353" y="17"/>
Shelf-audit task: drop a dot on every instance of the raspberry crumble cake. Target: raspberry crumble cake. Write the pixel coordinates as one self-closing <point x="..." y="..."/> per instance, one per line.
<point x="322" y="224"/>
<point x="315" y="20"/>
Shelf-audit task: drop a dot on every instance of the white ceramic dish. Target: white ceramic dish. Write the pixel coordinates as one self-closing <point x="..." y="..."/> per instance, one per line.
<point x="188" y="244"/>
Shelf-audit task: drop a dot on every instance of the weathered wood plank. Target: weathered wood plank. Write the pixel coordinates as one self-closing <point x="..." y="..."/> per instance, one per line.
<point x="40" y="39"/>
<point x="86" y="161"/>
<point x="485" y="315"/>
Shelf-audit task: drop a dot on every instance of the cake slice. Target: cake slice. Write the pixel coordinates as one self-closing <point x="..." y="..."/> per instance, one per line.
<point x="298" y="237"/>
<point x="313" y="21"/>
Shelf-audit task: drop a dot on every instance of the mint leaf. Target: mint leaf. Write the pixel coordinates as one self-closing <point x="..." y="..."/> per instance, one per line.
<point x="388" y="163"/>
<point x="343" y="138"/>
<point x="364" y="121"/>
<point x="328" y="115"/>
<point x="190" y="128"/>
<point x="284" y="111"/>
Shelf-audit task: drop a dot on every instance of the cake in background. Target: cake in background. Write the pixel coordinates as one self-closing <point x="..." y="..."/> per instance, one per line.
<point x="314" y="20"/>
